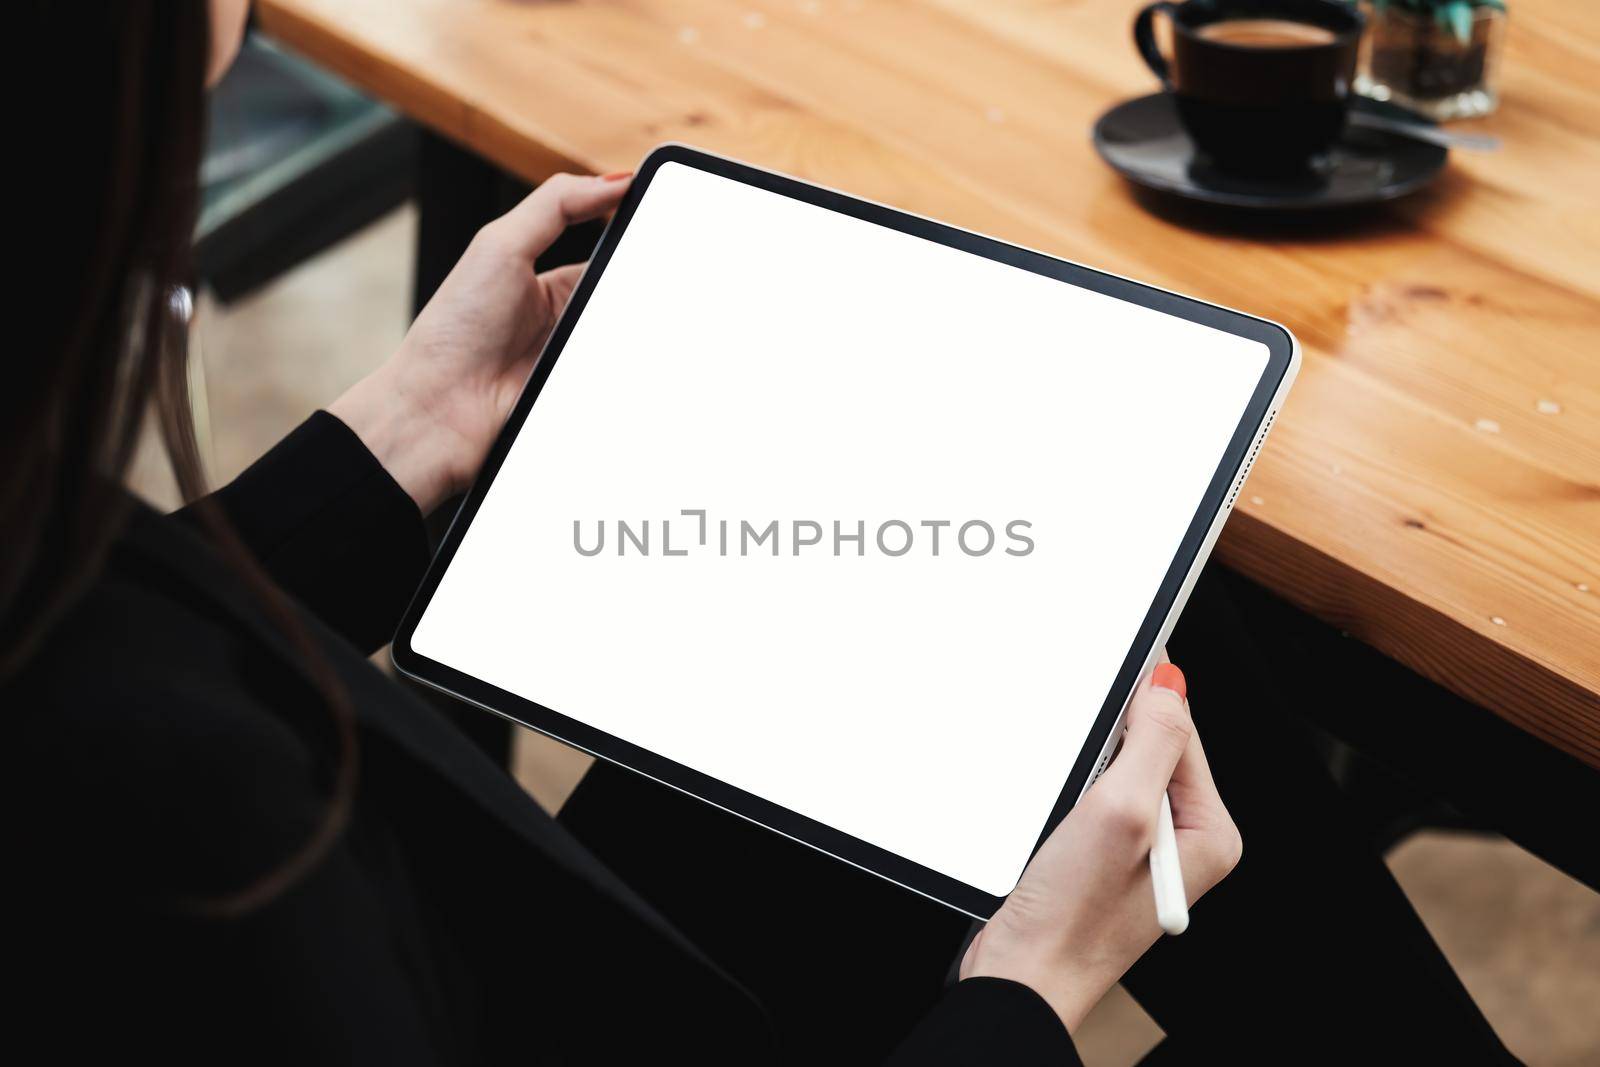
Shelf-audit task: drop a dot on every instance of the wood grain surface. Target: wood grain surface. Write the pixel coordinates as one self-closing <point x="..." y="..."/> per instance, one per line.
<point x="1433" y="485"/>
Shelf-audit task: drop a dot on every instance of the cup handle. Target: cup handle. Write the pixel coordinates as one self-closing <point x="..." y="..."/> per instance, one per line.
<point x="1144" y="38"/>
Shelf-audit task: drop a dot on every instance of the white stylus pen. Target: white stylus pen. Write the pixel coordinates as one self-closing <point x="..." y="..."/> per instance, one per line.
<point x="1166" y="876"/>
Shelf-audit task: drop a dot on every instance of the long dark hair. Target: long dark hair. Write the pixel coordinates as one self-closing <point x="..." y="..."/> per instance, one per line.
<point x="113" y="176"/>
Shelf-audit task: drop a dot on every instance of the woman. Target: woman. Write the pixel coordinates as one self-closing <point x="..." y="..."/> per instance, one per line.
<point x="234" y="839"/>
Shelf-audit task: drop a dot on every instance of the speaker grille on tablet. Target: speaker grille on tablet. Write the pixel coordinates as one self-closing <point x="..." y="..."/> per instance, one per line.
<point x="1261" y="439"/>
<point x="1099" y="768"/>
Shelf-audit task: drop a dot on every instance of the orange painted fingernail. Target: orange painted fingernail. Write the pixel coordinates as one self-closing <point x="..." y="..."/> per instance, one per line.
<point x="1168" y="676"/>
<point x="617" y="177"/>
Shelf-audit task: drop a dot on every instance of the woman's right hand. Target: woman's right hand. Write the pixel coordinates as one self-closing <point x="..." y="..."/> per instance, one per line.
<point x="1084" y="910"/>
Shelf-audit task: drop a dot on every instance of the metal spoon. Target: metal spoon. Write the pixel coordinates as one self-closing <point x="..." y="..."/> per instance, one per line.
<point x="1476" y="142"/>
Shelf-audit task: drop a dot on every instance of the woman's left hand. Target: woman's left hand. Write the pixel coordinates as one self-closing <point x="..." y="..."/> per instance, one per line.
<point x="430" y="413"/>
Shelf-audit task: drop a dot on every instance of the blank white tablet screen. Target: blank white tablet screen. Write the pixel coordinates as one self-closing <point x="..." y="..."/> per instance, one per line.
<point x="764" y="360"/>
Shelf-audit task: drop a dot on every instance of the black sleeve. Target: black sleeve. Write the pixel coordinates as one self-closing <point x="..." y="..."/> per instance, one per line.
<point x="988" y="1022"/>
<point x="332" y="528"/>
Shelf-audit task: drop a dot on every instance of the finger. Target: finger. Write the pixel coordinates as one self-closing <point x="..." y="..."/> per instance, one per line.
<point x="1159" y="732"/>
<point x="1208" y="841"/>
<point x="533" y="225"/>
<point x="1192" y="785"/>
<point x="1206" y="858"/>
<point x="1191" y="788"/>
<point x="559" y="283"/>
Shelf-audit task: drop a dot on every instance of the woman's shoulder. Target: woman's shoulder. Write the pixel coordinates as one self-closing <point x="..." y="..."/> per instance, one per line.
<point x="139" y="752"/>
<point x="151" y="780"/>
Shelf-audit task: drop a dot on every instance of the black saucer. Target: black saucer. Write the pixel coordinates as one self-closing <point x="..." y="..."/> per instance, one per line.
<point x="1143" y="141"/>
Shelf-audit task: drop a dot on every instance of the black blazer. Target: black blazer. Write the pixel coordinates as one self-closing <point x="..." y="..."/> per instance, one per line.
<point x="167" y="744"/>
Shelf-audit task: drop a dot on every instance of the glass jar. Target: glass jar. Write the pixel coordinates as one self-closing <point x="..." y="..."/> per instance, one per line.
<point x="1414" y="59"/>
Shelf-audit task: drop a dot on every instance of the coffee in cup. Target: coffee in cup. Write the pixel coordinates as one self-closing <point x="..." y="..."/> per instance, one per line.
<point x="1266" y="33"/>
<point x="1262" y="86"/>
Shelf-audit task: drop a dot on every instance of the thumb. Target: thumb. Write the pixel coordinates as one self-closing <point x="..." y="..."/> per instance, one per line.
<point x="1159" y="732"/>
<point x="559" y="283"/>
<point x="534" y="224"/>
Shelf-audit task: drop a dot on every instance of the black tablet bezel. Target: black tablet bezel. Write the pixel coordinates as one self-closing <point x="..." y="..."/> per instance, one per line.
<point x="914" y="876"/>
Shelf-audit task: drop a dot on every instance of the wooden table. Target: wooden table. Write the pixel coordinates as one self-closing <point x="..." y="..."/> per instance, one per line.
<point x="1433" y="485"/>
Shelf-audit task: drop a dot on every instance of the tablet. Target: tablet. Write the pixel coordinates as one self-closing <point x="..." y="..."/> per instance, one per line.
<point x="857" y="525"/>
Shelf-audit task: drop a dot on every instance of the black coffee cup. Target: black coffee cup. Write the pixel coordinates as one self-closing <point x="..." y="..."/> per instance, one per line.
<point x="1255" y="104"/>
